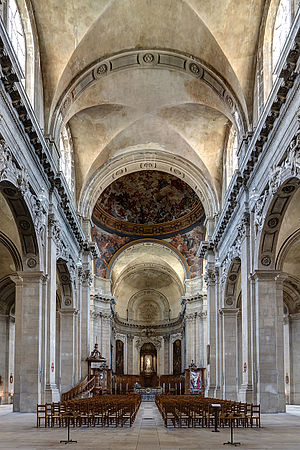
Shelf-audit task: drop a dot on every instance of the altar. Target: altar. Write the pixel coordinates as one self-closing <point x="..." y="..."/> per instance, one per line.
<point x="148" y="394"/>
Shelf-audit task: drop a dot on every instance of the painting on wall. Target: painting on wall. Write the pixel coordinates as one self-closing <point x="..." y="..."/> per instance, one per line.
<point x="119" y="357"/>
<point x="177" y="357"/>
<point x="195" y="381"/>
<point x="186" y="243"/>
<point x="148" y="197"/>
<point x="108" y="245"/>
<point x="148" y="204"/>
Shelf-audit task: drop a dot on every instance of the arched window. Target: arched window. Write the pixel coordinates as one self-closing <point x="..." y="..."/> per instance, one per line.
<point x="16" y="32"/>
<point x="281" y="29"/>
<point x="66" y="157"/>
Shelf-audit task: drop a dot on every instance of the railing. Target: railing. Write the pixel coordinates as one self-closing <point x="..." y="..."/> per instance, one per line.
<point x="83" y="388"/>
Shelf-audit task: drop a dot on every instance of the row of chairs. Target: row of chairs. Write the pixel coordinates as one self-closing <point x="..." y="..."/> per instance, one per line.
<point x="186" y="411"/>
<point x="112" y="410"/>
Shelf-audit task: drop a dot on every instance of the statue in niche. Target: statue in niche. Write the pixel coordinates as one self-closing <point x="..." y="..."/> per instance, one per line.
<point x="148" y="367"/>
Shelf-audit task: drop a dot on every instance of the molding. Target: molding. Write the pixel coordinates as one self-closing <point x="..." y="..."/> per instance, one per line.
<point x="10" y="79"/>
<point x="147" y="159"/>
<point x="255" y="143"/>
<point x="155" y="59"/>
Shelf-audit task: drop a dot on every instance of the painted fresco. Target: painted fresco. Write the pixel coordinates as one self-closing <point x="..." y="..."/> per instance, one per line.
<point x="186" y="243"/>
<point x="108" y="245"/>
<point x="148" y="197"/>
<point x="148" y="204"/>
<point x="119" y="357"/>
<point x="177" y="357"/>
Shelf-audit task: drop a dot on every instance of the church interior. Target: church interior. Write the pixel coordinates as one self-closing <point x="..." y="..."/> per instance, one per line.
<point x="149" y="210"/>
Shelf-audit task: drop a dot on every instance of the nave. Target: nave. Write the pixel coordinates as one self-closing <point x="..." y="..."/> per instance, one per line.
<point x="18" y="430"/>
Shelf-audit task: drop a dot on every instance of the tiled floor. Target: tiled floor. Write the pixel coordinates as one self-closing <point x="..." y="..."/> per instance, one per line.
<point x="17" y="430"/>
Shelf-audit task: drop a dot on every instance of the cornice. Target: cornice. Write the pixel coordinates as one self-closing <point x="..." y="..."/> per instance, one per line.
<point x="255" y="143"/>
<point x="11" y="80"/>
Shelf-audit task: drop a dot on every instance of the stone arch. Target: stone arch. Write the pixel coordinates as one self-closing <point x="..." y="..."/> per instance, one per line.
<point x="189" y="65"/>
<point x="230" y="291"/>
<point x="7" y="295"/>
<point x="66" y="284"/>
<point x="293" y="238"/>
<point x="127" y="246"/>
<point x="24" y="222"/>
<point x="276" y="206"/>
<point x="291" y="293"/>
<point x="8" y="243"/>
<point x="284" y="180"/>
<point x="133" y="161"/>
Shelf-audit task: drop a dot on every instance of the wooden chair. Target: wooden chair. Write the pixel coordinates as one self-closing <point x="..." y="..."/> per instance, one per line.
<point x="255" y="416"/>
<point x="41" y="416"/>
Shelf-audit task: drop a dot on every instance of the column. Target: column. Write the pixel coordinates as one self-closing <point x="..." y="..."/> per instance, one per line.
<point x="67" y="346"/>
<point x="229" y="340"/>
<point x="189" y="339"/>
<point x="210" y="279"/>
<point x="269" y="340"/>
<point x="50" y="363"/>
<point x="202" y="338"/>
<point x="85" y="319"/>
<point x="294" y="358"/>
<point x="106" y="336"/>
<point x="287" y="357"/>
<point x="130" y="354"/>
<point x="4" y="357"/>
<point x="166" y="354"/>
<point x="246" y="390"/>
<point x="28" y="341"/>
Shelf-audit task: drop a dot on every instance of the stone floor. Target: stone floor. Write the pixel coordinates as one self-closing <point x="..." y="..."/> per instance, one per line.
<point x="279" y="431"/>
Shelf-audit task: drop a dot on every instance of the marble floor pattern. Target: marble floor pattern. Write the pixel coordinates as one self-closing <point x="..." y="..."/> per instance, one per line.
<point x="279" y="431"/>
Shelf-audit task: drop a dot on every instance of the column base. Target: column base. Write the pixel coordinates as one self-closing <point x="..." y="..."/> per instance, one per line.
<point x="246" y="393"/>
<point x="52" y="394"/>
<point x="210" y="391"/>
<point x="217" y="392"/>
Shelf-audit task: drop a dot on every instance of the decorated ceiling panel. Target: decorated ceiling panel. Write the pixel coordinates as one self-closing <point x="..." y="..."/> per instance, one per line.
<point x="148" y="203"/>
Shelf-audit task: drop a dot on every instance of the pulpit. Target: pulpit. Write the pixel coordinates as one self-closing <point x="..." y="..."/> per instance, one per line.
<point x="98" y="368"/>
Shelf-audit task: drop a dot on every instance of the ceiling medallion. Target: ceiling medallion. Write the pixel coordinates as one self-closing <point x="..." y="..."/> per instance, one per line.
<point x="288" y="189"/>
<point x="272" y="223"/>
<point x="102" y="69"/>
<point x="266" y="261"/>
<point x="194" y="68"/>
<point x="148" y="58"/>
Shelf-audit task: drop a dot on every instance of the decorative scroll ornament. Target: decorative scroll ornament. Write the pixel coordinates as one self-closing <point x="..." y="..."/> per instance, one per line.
<point x="54" y="231"/>
<point x="210" y="277"/>
<point x="10" y="171"/>
<point x="156" y="341"/>
<point x="259" y="217"/>
<point x="87" y="277"/>
<point x="290" y="166"/>
<point x="243" y="226"/>
<point x="38" y="208"/>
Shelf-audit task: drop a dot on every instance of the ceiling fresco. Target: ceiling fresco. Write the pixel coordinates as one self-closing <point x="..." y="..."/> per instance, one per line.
<point x="187" y="243"/>
<point x="150" y="204"/>
<point x="147" y="203"/>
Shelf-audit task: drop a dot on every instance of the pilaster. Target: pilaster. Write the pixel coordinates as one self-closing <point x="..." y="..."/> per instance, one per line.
<point x="269" y="340"/>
